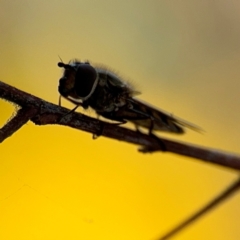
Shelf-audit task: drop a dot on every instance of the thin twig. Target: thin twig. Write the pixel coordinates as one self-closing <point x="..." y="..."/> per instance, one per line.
<point x="214" y="203"/>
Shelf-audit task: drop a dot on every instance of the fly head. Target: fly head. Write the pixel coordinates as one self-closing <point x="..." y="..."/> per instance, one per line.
<point x="78" y="82"/>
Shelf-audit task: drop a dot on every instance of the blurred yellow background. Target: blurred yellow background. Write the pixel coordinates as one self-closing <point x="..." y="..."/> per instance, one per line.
<point x="184" y="56"/>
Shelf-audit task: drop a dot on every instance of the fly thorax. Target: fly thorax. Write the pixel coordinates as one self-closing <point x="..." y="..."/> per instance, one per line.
<point x="102" y="82"/>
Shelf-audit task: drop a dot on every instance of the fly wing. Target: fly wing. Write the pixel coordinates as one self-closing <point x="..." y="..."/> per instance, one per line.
<point x="127" y="108"/>
<point x="144" y="115"/>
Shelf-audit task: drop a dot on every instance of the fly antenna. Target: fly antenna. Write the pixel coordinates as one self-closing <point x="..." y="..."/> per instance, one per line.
<point x="60" y="59"/>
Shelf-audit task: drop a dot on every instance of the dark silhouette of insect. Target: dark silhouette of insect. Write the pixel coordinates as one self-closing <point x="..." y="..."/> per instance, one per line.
<point x="113" y="98"/>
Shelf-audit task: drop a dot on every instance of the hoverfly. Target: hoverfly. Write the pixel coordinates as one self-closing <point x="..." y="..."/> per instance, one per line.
<point x="113" y="98"/>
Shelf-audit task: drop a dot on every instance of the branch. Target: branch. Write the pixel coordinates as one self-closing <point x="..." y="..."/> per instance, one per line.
<point x="41" y="113"/>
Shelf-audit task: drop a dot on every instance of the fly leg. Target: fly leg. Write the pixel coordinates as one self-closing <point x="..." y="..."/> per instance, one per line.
<point x="149" y="149"/>
<point x="145" y="149"/>
<point x="147" y="117"/>
<point x="71" y="111"/>
<point x="102" y="126"/>
<point x="151" y="127"/>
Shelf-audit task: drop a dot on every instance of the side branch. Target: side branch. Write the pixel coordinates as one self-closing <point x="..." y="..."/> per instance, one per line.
<point x="41" y="113"/>
<point x="23" y="115"/>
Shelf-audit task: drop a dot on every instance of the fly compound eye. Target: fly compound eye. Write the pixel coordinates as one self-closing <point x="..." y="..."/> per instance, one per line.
<point x="86" y="80"/>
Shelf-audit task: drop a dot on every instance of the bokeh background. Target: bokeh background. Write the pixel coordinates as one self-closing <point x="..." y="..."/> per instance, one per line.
<point x="58" y="183"/>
